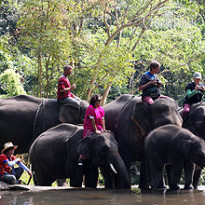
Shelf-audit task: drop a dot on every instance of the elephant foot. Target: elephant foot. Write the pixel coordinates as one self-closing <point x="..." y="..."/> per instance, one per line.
<point x="144" y="186"/>
<point x="188" y="187"/>
<point x="162" y="187"/>
<point x="159" y="187"/>
<point x="174" y="187"/>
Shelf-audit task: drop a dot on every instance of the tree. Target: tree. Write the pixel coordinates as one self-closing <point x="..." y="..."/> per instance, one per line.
<point x="10" y="84"/>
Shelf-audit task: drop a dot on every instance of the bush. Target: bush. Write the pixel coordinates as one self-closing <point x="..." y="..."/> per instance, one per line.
<point x="10" y="84"/>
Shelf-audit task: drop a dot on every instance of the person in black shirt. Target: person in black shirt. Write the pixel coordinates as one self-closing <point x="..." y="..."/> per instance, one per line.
<point x="195" y="91"/>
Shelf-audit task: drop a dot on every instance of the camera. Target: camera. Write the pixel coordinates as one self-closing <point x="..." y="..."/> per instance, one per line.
<point x="158" y="83"/>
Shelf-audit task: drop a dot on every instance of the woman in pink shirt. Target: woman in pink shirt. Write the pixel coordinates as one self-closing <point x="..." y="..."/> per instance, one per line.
<point x="94" y="118"/>
<point x="94" y="121"/>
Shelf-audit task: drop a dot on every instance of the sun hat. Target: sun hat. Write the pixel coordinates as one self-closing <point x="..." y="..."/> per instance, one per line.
<point x="8" y="145"/>
<point x="197" y="75"/>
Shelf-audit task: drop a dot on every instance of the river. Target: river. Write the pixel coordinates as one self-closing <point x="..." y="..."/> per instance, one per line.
<point x="102" y="197"/>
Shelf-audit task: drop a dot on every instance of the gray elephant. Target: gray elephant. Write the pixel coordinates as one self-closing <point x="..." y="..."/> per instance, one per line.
<point x="54" y="155"/>
<point x="131" y="120"/>
<point x="177" y="146"/>
<point x="23" y="118"/>
<point x="195" y="122"/>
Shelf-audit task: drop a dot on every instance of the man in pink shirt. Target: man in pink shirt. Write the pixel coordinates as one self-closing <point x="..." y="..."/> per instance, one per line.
<point x="64" y="94"/>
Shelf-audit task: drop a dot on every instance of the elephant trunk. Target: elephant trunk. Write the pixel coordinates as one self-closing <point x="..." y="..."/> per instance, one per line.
<point x="122" y="174"/>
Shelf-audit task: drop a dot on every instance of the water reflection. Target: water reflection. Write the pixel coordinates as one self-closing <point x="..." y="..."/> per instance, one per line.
<point x="102" y="197"/>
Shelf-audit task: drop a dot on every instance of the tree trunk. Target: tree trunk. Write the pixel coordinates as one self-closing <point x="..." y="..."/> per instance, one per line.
<point x="90" y="89"/>
<point x="105" y="93"/>
<point x="39" y="88"/>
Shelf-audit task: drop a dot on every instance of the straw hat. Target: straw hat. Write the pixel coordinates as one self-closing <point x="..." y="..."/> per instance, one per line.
<point x="8" y="145"/>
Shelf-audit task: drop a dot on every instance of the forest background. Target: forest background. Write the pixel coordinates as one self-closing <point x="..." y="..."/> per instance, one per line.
<point x="110" y="43"/>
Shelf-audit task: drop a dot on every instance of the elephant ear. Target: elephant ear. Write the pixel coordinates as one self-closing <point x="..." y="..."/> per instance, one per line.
<point x="85" y="147"/>
<point x="141" y="117"/>
<point x="186" y="147"/>
<point x="69" y="113"/>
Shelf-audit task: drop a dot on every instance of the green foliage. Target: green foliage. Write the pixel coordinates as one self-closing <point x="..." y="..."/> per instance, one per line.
<point x="8" y="19"/>
<point x="11" y="84"/>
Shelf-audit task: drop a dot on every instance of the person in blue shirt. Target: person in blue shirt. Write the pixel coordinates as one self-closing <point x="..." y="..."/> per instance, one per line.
<point x="150" y="84"/>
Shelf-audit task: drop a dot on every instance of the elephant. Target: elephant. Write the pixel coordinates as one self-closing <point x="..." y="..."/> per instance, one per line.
<point x="170" y="144"/>
<point x="55" y="153"/>
<point x="195" y="122"/>
<point x="131" y="120"/>
<point x="23" y="118"/>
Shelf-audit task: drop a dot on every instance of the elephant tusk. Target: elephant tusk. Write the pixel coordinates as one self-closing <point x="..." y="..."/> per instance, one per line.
<point x="113" y="168"/>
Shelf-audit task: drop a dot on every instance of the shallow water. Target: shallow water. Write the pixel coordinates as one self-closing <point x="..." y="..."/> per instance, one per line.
<point x="101" y="197"/>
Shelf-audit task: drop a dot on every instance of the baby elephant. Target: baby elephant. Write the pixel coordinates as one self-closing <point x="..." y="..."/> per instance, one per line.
<point x="178" y="147"/>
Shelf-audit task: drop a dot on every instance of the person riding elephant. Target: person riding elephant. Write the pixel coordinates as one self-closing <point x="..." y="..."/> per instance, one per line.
<point x="64" y="94"/>
<point x="94" y="121"/>
<point x="131" y="120"/>
<point x="24" y="117"/>
<point x="195" y="91"/>
<point x="54" y="155"/>
<point x="177" y="147"/>
<point x="150" y="84"/>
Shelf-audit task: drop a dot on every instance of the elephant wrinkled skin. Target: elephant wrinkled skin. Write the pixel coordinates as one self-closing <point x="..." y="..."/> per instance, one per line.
<point x="23" y="118"/>
<point x="131" y="120"/>
<point x="54" y="155"/>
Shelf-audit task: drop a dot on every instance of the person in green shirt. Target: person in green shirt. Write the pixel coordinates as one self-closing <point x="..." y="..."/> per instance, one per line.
<point x="195" y="91"/>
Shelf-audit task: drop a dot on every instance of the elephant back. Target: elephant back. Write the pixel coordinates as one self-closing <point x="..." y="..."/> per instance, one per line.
<point x="16" y="120"/>
<point x="117" y="109"/>
<point x="51" y="145"/>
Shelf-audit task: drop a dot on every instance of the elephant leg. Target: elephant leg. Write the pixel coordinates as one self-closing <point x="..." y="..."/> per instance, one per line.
<point x="176" y="170"/>
<point x="91" y="177"/>
<point x="144" y="174"/>
<point x="188" y="174"/>
<point x="42" y="179"/>
<point x="76" y="179"/>
<point x="196" y="177"/>
<point x="157" y="180"/>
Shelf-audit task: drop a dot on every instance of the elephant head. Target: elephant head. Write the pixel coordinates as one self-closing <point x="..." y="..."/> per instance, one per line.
<point x="102" y="151"/>
<point x="163" y="111"/>
<point x="76" y="113"/>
